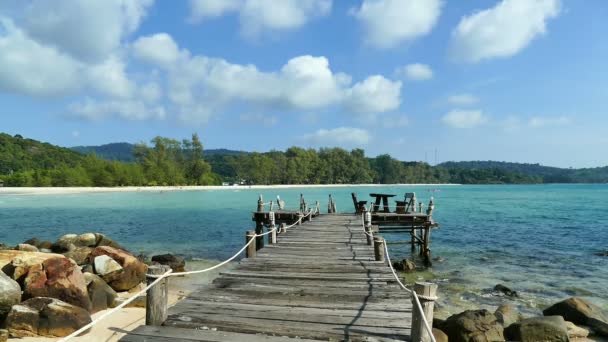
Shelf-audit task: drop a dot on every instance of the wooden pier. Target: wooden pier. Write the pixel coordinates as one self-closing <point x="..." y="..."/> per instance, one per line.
<point x="320" y="281"/>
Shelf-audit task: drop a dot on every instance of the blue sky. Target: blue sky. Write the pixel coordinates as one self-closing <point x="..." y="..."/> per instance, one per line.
<point x="512" y="80"/>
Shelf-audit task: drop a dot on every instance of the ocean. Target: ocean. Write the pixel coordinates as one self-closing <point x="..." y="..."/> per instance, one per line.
<point x="539" y="240"/>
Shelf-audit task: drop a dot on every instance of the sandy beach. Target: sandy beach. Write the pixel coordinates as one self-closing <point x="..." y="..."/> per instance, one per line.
<point x="78" y="190"/>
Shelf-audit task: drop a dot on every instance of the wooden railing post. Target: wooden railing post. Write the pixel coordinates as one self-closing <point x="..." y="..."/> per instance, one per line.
<point x="330" y="205"/>
<point x="367" y="223"/>
<point x="251" y="250"/>
<point x="283" y="229"/>
<point x="260" y="204"/>
<point x="272" y="237"/>
<point x="427" y="294"/>
<point x="157" y="296"/>
<point x="379" y="248"/>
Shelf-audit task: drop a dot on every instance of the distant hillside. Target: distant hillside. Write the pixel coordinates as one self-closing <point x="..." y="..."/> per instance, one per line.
<point x="124" y="151"/>
<point x="20" y="154"/>
<point x="549" y="174"/>
<point x="115" y="151"/>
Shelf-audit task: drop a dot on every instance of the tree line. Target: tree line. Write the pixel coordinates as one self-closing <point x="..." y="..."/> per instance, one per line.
<point x="165" y="161"/>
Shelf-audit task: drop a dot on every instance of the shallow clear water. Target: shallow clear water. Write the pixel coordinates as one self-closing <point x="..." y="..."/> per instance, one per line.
<point x="539" y="239"/>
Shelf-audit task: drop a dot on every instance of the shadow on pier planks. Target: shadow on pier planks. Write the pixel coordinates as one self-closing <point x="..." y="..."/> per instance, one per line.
<point x="320" y="282"/>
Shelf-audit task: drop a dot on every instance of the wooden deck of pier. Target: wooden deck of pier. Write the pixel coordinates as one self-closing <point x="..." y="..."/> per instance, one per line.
<point x="319" y="282"/>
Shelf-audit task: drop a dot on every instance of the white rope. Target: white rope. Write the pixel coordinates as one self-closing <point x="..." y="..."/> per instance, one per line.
<point x="170" y="273"/>
<point x="122" y="305"/>
<point x="414" y="295"/>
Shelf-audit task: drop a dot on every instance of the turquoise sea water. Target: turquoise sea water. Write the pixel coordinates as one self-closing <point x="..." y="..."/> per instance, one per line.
<point x="539" y="240"/>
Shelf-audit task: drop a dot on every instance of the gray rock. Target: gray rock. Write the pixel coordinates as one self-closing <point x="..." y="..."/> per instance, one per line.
<point x="406" y="265"/>
<point x="177" y="263"/>
<point x="80" y="255"/>
<point x="473" y="325"/>
<point x="580" y="311"/>
<point x="102" y="296"/>
<point x="507" y="314"/>
<point x="546" y="328"/>
<point x="86" y="240"/>
<point x="575" y="331"/>
<point x="104" y="265"/>
<point x="26" y="247"/>
<point x="10" y="294"/>
<point x="44" y="316"/>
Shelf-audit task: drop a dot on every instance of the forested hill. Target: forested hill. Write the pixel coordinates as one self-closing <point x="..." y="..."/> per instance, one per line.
<point x="548" y="174"/>
<point x="125" y="151"/>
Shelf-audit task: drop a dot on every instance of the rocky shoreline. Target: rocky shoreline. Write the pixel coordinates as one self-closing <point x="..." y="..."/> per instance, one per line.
<point x="573" y="319"/>
<point x="51" y="289"/>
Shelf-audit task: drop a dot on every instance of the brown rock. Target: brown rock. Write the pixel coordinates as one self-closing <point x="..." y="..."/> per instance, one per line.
<point x="80" y="255"/>
<point x="45" y="317"/>
<point x="57" y="278"/>
<point x="575" y="331"/>
<point x="32" y="241"/>
<point x="545" y="328"/>
<point x="45" y="245"/>
<point x="439" y="335"/>
<point x="26" y="248"/>
<point x="473" y="325"/>
<point x="102" y="296"/>
<point x="133" y="271"/>
<point x="102" y="240"/>
<point x="580" y="311"/>
<point x="16" y="263"/>
<point x="3" y="335"/>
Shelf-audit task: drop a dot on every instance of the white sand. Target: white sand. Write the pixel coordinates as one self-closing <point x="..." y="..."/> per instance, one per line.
<point x="76" y="190"/>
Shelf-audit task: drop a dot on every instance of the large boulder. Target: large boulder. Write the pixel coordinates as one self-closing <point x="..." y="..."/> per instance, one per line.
<point x="177" y="263"/>
<point x="57" y="278"/>
<point x="65" y="243"/>
<point x="546" y="328"/>
<point x="10" y="294"/>
<point x="507" y="314"/>
<point x="473" y="325"/>
<point x="102" y="296"/>
<point x="580" y="311"/>
<point x="80" y="255"/>
<point x="106" y="267"/>
<point x="17" y="263"/>
<point x="44" y="316"/>
<point x="133" y="271"/>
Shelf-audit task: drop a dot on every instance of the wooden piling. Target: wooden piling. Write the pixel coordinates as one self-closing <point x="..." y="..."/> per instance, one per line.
<point x="367" y="224"/>
<point x="414" y="239"/>
<point x="272" y="237"/>
<point x="260" y="204"/>
<point x="283" y="228"/>
<point x="427" y="294"/>
<point x="379" y="248"/>
<point x="259" y="229"/>
<point x="251" y="250"/>
<point x="157" y="296"/>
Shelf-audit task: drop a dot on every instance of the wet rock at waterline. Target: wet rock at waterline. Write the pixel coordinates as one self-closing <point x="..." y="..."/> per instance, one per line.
<point x="57" y="278"/>
<point x="133" y="271"/>
<point x="546" y="328"/>
<point x="405" y="265"/>
<point x="472" y="325"/>
<point x="602" y="253"/>
<point x="505" y="290"/>
<point x="575" y="331"/>
<point x="43" y="316"/>
<point x="177" y="263"/>
<point x="580" y="311"/>
<point x="507" y="314"/>
<point x="10" y="294"/>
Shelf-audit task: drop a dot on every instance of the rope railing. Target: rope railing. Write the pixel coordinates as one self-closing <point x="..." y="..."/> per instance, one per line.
<point x="170" y="273"/>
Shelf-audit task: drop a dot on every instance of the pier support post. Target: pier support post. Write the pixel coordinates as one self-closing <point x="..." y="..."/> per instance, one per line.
<point x="259" y="229"/>
<point x="414" y="241"/>
<point x="330" y="205"/>
<point x="427" y="294"/>
<point x="260" y="204"/>
<point x="379" y="248"/>
<point x="157" y="296"/>
<point x="251" y="250"/>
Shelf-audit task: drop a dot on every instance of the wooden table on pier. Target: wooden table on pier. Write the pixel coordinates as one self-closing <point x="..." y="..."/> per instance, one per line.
<point x="384" y="199"/>
<point x="319" y="282"/>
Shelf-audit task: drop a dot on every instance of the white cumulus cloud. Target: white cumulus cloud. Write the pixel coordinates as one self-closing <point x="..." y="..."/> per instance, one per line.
<point x="158" y="49"/>
<point x="375" y="94"/>
<point x="462" y="99"/>
<point x="537" y="121"/>
<point x="503" y="30"/>
<point x="341" y="136"/>
<point x="257" y="16"/>
<point x="464" y="118"/>
<point x="388" y="23"/>
<point x="415" y="72"/>
<point x="91" y="109"/>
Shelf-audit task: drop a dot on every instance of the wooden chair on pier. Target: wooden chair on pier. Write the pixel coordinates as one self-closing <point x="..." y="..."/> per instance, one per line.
<point x="359" y="205"/>
<point x="408" y="204"/>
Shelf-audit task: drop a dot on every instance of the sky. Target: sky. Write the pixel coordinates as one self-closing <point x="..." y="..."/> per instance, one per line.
<point x="425" y="80"/>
